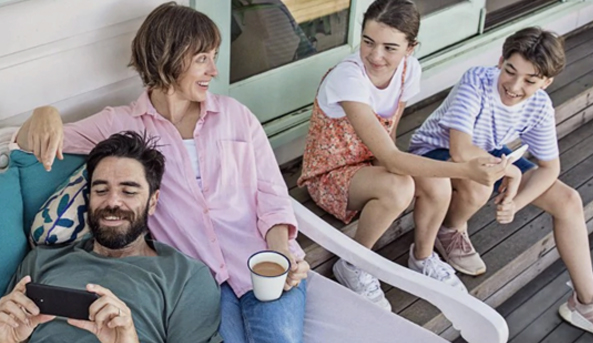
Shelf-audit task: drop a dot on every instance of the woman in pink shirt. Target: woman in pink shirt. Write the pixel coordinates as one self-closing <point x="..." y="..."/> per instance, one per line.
<point x="222" y="196"/>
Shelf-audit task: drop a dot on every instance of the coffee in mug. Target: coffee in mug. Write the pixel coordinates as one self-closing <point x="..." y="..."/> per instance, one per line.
<point x="268" y="274"/>
<point x="268" y="269"/>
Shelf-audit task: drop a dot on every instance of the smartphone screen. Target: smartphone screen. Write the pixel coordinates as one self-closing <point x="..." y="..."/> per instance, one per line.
<point x="61" y="301"/>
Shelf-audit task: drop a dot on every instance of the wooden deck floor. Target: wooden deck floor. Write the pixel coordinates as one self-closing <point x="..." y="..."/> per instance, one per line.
<point x="532" y="313"/>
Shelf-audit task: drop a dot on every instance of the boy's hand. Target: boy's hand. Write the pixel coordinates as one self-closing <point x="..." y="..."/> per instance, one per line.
<point x="510" y="185"/>
<point x="505" y="211"/>
<point x="19" y="315"/>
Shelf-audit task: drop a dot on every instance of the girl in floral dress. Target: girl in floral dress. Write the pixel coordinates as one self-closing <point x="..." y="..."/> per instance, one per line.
<point x="351" y="163"/>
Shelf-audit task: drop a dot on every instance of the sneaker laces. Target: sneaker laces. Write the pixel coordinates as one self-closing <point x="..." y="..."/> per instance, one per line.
<point x="370" y="284"/>
<point x="436" y="269"/>
<point x="459" y="240"/>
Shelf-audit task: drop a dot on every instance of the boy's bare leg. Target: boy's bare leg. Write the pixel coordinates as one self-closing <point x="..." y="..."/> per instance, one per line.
<point x="570" y="232"/>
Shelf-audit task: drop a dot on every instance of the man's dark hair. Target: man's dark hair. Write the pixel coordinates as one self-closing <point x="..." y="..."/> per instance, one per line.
<point x="130" y="144"/>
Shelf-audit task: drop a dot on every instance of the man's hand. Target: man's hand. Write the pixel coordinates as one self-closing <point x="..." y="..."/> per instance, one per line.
<point x="110" y="318"/>
<point x="45" y="136"/>
<point x="505" y="211"/>
<point x="19" y="315"/>
<point x="487" y="170"/>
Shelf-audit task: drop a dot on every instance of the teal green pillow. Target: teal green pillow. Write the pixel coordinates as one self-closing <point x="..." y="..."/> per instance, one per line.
<point x="37" y="185"/>
<point x="13" y="241"/>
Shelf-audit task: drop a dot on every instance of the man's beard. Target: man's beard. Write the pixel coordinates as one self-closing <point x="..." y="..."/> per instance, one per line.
<point x="112" y="237"/>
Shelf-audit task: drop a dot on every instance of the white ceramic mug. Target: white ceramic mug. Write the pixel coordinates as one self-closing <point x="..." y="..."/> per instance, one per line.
<point x="268" y="288"/>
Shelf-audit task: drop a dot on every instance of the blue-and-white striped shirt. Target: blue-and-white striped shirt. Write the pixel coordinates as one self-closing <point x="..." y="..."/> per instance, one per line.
<point x="474" y="107"/>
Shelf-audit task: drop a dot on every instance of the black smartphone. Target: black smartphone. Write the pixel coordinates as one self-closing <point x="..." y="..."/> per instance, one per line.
<point x="61" y="301"/>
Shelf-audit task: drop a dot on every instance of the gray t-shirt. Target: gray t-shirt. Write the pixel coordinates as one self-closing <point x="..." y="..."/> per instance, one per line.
<point x="172" y="298"/>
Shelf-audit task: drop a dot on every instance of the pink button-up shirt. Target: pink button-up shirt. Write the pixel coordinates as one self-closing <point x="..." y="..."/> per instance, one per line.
<point x="243" y="193"/>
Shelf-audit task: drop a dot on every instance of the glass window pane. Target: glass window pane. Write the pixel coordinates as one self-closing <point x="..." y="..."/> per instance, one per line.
<point x="266" y="34"/>
<point x="501" y="11"/>
<point x="429" y="6"/>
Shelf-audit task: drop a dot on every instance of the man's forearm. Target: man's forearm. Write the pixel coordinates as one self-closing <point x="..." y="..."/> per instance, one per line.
<point x="539" y="182"/>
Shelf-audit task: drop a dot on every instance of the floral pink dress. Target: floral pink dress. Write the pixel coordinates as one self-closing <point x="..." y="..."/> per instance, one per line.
<point x="333" y="154"/>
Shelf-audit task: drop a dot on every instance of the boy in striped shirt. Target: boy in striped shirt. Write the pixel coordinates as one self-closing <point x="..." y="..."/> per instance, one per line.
<point x="487" y="109"/>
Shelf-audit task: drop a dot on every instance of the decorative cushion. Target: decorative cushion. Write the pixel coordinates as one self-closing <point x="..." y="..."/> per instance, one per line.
<point x="62" y="218"/>
<point x="13" y="241"/>
<point x="37" y="184"/>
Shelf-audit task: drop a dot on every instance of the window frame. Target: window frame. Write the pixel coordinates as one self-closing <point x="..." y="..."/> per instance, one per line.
<point x="269" y="96"/>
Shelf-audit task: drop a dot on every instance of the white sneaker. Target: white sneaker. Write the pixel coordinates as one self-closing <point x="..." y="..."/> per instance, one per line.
<point x="435" y="268"/>
<point x="360" y="282"/>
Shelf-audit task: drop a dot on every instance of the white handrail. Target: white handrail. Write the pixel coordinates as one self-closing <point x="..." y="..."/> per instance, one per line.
<point x="476" y="321"/>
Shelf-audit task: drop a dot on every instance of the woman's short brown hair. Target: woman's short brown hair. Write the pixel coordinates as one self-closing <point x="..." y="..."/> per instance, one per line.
<point x="544" y="49"/>
<point x="167" y="39"/>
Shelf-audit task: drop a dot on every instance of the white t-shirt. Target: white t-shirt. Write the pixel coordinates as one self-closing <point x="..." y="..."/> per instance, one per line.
<point x="348" y="81"/>
<point x="190" y="146"/>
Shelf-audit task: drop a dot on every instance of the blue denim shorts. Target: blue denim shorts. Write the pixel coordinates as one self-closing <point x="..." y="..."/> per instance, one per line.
<point x="523" y="164"/>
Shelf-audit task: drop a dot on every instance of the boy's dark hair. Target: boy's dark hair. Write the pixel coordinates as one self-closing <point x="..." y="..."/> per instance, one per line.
<point x="544" y="49"/>
<point x="166" y="41"/>
<point x="130" y="144"/>
<point x="401" y="15"/>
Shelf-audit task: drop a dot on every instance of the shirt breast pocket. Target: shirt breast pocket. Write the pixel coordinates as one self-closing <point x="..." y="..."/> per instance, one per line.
<point x="237" y="165"/>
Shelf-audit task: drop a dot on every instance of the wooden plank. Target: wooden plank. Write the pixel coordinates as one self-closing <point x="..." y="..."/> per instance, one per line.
<point x="575" y="137"/>
<point x="544" y="324"/>
<point x="579" y="36"/>
<point x="572" y="94"/>
<point x="291" y="172"/>
<point x="412" y="122"/>
<point x="527" y="313"/>
<point x="531" y="289"/>
<point x="41" y="29"/>
<point x="585" y="338"/>
<point x="563" y="333"/>
<point x="574" y="122"/>
<point x="575" y="69"/>
<point x="506" y="295"/>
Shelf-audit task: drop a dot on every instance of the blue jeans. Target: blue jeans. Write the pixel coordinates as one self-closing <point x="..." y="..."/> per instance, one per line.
<point x="250" y="320"/>
<point x="523" y="164"/>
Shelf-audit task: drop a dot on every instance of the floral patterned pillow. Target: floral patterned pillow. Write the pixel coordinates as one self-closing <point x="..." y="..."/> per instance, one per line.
<point x="62" y="218"/>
